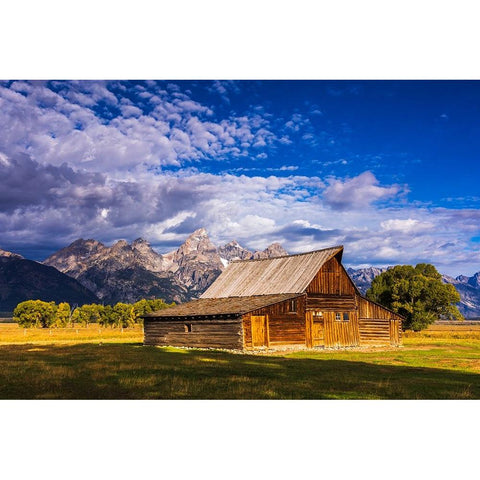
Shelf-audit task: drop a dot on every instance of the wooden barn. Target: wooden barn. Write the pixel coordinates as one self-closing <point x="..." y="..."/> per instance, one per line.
<point x="306" y="299"/>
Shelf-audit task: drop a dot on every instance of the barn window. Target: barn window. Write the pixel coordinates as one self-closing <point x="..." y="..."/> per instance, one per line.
<point x="188" y="327"/>
<point x="317" y="314"/>
<point x="293" y="306"/>
<point x="338" y="317"/>
<point x="346" y="317"/>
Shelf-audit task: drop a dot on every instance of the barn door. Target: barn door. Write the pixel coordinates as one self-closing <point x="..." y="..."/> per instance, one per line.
<point x="394" y="332"/>
<point x="314" y="329"/>
<point x="317" y="330"/>
<point x="259" y="331"/>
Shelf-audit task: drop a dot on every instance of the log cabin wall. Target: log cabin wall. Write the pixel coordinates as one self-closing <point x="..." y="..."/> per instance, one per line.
<point x="217" y="333"/>
<point x="332" y="303"/>
<point x="284" y="327"/>
<point x="377" y="325"/>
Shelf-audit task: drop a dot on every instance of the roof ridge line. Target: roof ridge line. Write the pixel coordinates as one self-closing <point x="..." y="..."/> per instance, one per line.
<point x="286" y="256"/>
<point x="248" y="296"/>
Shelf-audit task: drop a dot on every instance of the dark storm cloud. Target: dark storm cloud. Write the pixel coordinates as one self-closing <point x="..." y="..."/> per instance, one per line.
<point x="186" y="227"/>
<point x="293" y="231"/>
<point x="152" y="202"/>
<point x="26" y="183"/>
<point x="61" y="196"/>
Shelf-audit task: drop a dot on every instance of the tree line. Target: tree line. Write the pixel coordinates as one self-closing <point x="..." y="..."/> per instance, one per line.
<point x="40" y="314"/>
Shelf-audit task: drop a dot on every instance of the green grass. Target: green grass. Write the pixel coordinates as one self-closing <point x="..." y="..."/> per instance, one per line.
<point x="441" y="367"/>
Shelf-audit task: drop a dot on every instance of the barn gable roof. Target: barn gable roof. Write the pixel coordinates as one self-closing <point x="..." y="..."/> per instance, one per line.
<point x="220" y="306"/>
<point x="270" y="276"/>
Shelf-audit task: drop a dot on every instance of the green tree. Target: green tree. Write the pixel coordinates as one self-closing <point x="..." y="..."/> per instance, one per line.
<point x="417" y="293"/>
<point x="35" y="313"/>
<point x="144" y="307"/>
<point x="123" y="315"/>
<point x="62" y="315"/>
<point x="86" y="314"/>
<point x="106" y="318"/>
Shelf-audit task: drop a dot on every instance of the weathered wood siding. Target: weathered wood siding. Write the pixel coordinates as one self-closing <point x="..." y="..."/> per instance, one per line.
<point x="377" y="325"/>
<point x="331" y="279"/>
<point x="204" y="333"/>
<point x="284" y="327"/>
<point x="341" y="333"/>
<point x="333" y="303"/>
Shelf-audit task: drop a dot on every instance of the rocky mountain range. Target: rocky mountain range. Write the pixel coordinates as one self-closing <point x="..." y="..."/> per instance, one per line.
<point x="127" y="272"/>
<point x="469" y="290"/>
<point x="363" y="277"/>
<point x="88" y="270"/>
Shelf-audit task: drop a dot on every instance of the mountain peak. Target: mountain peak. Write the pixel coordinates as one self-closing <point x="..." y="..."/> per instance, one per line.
<point x="4" y="253"/>
<point x="234" y="251"/>
<point x="273" y="250"/>
<point x="200" y="232"/>
<point x="276" y="247"/>
<point x="140" y="241"/>
<point x="474" y="281"/>
<point x="80" y="242"/>
<point x="233" y="243"/>
<point x="198" y="242"/>
<point x="120" y="244"/>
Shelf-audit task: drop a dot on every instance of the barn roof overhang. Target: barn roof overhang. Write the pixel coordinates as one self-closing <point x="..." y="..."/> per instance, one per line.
<point x="219" y="308"/>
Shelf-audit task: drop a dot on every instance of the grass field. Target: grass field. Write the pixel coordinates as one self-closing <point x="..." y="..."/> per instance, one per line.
<point x="11" y="333"/>
<point x="93" y="363"/>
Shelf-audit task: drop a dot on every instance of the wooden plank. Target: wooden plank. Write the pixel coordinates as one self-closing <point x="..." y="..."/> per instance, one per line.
<point x="308" y="329"/>
<point x="331" y="302"/>
<point x="332" y="279"/>
<point x="268" y="330"/>
<point x="343" y="333"/>
<point x="213" y="334"/>
<point x="258" y="330"/>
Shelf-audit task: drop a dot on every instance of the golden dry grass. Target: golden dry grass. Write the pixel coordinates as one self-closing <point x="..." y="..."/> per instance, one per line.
<point x="11" y="333"/>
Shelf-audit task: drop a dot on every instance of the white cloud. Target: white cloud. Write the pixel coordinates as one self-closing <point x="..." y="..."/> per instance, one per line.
<point x="357" y="192"/>
<point x="408" y="225"/>
<point x="62" y="126"/>
<point x="130" y="111"/>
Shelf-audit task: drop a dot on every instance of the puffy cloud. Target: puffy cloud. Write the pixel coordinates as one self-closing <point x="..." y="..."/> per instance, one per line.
<point x="408" y="225"/>
<point x="93" y="122"/>
<point x="224" y="88"/>
<point x="357" y="192"/>
<point x="130" y="111"/>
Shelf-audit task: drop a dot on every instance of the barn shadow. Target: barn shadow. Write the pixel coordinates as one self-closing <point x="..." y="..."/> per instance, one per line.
<point x="131" y="371"/>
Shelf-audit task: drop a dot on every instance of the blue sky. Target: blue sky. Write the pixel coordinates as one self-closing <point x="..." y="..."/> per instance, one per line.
<point x="388" y="168"/>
